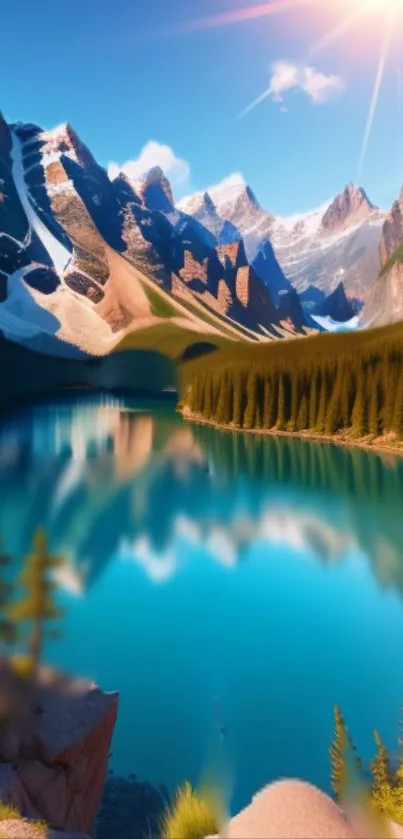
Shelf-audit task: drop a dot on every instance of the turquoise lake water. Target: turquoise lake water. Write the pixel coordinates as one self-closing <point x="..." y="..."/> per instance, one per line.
<point x="232" y="588"/>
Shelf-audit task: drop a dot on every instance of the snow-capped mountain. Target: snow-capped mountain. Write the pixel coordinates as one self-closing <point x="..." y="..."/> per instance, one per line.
<point x="338" y="241"/>
<point x="84" y="259"/>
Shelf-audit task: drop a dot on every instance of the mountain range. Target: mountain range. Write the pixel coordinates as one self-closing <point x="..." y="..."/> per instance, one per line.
<point x="86" y="261"/>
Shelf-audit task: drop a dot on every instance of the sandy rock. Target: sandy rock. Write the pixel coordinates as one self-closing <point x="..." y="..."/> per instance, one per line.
<point x="23" y="829"/>
<point x="290" y="809"/>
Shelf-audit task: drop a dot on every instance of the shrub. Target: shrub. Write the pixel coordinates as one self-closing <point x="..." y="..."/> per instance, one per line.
<point x="7" y="812"/>
<point x="192" y="815"/>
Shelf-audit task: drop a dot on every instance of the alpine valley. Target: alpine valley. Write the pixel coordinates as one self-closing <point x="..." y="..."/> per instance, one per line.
<point x="89" y="264"/>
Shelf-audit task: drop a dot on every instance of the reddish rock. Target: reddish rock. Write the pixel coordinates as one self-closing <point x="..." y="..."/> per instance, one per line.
<point x="348" y="208"/>
<point x="232" y="255"/>
<point x="59" y="752"/>
<point x="194" y="270"/>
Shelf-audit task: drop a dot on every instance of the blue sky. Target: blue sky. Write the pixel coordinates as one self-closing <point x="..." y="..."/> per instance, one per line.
<point x="125" y="73"/>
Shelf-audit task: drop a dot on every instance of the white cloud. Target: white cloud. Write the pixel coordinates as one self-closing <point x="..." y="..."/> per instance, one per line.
<point x="318" y="86"/>
<point x="153" y="154"/>
<point x="286" y="77"/>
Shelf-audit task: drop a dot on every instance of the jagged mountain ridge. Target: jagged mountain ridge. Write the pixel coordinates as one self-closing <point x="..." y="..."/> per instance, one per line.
<point x="77" y="222"/>
<point x="65" y="228"/>
<point x="338" y="242"/>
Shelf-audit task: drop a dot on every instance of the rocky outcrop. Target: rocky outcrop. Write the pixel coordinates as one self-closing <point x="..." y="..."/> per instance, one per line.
<point x="232" y="255"/>
<point x="155" y="190"/>
<point x="385" y="303"/>
<point x="54" y="746"/>
<point x="392" y="232"/>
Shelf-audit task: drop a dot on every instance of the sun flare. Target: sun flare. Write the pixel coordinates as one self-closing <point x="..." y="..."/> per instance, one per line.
<point x="384" y="6"/>
<point x="349" y="20"/>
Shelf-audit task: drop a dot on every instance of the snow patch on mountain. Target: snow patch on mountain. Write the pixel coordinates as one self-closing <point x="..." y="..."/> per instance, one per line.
<point x="58" y="253"/>
<point x="330" y="325"/>
<point x="299" y="225"/>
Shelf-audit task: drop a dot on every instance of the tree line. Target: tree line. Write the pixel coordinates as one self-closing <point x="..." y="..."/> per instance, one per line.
<point x="361" y="393"/>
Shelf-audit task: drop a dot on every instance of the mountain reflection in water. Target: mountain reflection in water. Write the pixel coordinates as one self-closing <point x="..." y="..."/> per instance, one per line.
<point x="109" y="478"/>
<point x="232" y="587"/>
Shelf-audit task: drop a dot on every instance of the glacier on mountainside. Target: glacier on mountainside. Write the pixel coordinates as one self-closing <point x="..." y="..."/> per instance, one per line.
<point x="58" y="253"/>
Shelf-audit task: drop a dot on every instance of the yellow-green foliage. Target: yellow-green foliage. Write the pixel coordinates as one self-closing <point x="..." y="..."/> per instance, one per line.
<point x="193" y="815"/>
<point x="37" y="605"/>
<point x="7" y="812"/>
<point x="386" y="782"/>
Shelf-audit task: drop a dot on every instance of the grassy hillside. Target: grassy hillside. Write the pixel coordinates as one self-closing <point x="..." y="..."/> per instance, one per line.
<point x="170" y="339"/>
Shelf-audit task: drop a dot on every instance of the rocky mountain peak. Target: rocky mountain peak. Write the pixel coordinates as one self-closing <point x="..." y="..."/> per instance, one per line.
<point x="207" y="203"/>
<point x="252" y="197"/>
<point x="349" y="207"/>
<point x="155" y="190"/>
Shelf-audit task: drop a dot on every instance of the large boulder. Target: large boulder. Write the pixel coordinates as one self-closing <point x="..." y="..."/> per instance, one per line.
<point x="290" y="810"/>
<point x="294" y="809"/>
<point x="54" y="747"/>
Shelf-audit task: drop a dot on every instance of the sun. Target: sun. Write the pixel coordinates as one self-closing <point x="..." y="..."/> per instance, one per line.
<point x="384" y="6"/>
<point x="350" y="15"/>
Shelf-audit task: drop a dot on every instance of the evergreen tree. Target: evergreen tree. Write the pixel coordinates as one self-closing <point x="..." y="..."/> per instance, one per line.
<point x="268" y="419"/>
<point x="223" y="413"/>
<point x="359" y="390"/>
<point x="208" y="402"/>
<point x="389" y="391"/>
<point x="359" y="411"/>
<point x="292" y="422"/>
<point x="258" y="417"/>
<point x="321" y="418"/>
<point x="313" y="399"/>
<point x="238" y="398"/>
<point x="333" y="412"/>
<point x="281" y="415"/>
<point x="397" y="419"/>
<point x="37" y="607"/>
<point x="302" y="420"/>
<point x="373" y="417"/>
<point x="345" y="397"/>
<point x="251" y="397"/>
<point x="380" y="767"/>
<point x="338" y="754"/>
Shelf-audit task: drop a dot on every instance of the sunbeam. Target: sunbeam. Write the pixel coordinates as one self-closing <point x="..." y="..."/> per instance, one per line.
<point x="399" y="89"/>
<point x="386" y="42"/>
<point x="254" y="104"/>
<point x="240" y="15"/>
<point x="344" y="26"/>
